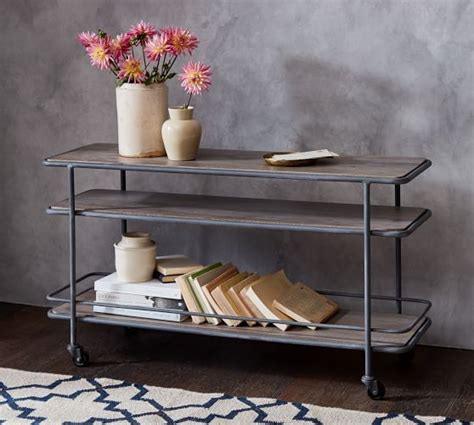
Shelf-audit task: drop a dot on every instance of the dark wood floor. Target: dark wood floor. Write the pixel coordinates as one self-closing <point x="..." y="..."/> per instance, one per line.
<point x="439" y="382"/>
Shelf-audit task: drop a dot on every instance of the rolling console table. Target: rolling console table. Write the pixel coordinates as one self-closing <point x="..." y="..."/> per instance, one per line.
<point x="362" y="330"/>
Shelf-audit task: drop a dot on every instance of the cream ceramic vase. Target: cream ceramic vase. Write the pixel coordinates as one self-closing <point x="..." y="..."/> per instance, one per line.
<point x="141" y="111"/>
<point x="135" y="257"/>
<point x="181" y="134"/>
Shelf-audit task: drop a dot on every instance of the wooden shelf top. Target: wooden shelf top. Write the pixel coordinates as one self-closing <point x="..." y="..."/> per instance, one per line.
<point x="295" y="335"/>
<point x="373" y="169"/>
<point x="244" y="212"/>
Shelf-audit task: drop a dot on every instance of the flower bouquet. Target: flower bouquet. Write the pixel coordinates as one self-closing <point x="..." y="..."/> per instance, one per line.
<point x="141" y="61"/>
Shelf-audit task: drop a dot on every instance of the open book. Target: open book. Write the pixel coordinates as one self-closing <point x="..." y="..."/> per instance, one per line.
<point x="295" y="156"/>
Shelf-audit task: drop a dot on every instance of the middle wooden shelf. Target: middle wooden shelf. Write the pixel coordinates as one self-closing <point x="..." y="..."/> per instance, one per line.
<point x="388" y="221"/>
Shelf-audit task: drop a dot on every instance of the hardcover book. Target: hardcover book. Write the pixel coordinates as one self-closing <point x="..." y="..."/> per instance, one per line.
<point x="196" y="288"/>
<point x="167" y="279"/>
<point x="264" y="291"/>
<point x="227" y="305"/>
<point x="233" y="293"/>
<point x="138" y="300"/>
<point x="152" y="288"/>
<point x="188" y="296"/>
<point x="175" y="264"/>
<point x="156" y="315"/>
<point x="249" y="303"/>
<point x="229" y="271"/>
<point x="304" y="304"/>
<point x="204" y="279"/>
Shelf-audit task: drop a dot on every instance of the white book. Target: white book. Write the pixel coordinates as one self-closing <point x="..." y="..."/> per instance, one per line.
<point x="138" y="300"/>
<point x="156" y="315"/>
<point x="152" y="288"/>
<point x="322" y="153"/>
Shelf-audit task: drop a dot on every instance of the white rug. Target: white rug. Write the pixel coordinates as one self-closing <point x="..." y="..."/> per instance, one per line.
<point x="40" y="398"/>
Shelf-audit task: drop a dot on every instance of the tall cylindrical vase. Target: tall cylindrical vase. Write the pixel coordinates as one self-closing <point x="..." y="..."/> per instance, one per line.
<point x="141" y="111"/>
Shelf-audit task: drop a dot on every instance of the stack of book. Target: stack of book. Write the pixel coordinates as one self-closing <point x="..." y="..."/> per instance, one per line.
<point x="222" y="289"/>
<point x="159" y="293"/>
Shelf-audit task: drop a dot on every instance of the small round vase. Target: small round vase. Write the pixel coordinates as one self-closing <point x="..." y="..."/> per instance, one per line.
<point x="181" y="134"/>
<point x="135" y="257"/>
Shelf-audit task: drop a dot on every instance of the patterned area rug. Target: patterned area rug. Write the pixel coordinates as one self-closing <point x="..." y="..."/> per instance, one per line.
<point x="40" y="398"/>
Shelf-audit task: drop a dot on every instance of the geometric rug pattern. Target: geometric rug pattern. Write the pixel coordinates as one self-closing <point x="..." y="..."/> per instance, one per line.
<point x="41" y="398"/>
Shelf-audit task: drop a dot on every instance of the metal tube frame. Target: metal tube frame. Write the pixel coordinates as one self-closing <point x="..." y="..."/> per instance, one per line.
<point x="368" y="378"/>
<point x="123" y="188"/>
<point x="398" y="257"/>
<point x="73" y="348"/>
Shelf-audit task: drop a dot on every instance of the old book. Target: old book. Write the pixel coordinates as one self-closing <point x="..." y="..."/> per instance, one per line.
<point x="304" y="304"/>
<point x="138" y="300"/>
<point x="219" y="293"/>
<point x="250" y="305"/>
<point x="167" y="279"/>
<point x="264" y="291"/>
<point x="156" y="315"/>
<point x="197" y="290"/>
<point x="207" y="288"/>
<point x="188" y="296"/>
<point x="175" y="264"/>
<point x="153" y="288"/>
<point x="321" y="153"/>
<point x="203" y="279"/>
<point x="233" y="293"/>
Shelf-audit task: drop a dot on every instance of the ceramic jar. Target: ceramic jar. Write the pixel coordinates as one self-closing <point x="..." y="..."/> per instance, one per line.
<point x="135" y="257"/>
<point x="141" y="111"/>
<point x="181" y="134"/>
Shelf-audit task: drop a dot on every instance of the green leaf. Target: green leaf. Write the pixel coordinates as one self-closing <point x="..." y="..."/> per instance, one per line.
<point x="170" y="76"/>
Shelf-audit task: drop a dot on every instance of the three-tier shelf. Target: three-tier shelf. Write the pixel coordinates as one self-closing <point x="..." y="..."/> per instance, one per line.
<point x="350" y="329"/>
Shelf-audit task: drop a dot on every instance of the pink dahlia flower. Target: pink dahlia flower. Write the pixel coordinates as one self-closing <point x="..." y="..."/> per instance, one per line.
<point x="157" y="46"/>
<point x="87" y="38"/>
<point x="195" y="78"/>
<point x="131" y="71"/>
<point x="181" y="40"/>
<point x="120" y="46"/>
<point x="142" y="31"/>
<point x="100" y="53"/>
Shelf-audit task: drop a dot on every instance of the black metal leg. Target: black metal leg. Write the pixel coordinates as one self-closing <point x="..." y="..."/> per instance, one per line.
<point x="123" y="188"/>
<point x="79" y="356"/>
<point x="398" y="257"/>
<point x="375" y="389"/>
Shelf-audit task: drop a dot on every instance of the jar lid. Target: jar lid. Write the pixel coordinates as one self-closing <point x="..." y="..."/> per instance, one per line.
<point x="135" y="240"/>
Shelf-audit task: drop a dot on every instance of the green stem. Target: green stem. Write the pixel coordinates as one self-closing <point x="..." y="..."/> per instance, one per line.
<point x="189" y="101"/>
<point x="162" y="70"/>
<point x="156" y="68"/>
<point x="170" y="65"/>
<point x="144" y="57"/>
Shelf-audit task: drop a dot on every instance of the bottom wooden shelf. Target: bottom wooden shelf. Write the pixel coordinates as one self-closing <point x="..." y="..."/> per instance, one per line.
<point x="337" y="338"/>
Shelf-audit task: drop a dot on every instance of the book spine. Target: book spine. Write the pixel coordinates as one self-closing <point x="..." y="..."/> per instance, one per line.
<point x="188" y="296"/>
<point x="138" y="300"/>
<point x="156" y="315"/>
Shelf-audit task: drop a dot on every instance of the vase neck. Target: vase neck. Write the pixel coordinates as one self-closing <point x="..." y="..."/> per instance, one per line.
<point x="181" y="114"/>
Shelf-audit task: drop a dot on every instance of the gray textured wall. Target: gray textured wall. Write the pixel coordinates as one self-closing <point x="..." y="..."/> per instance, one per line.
<point x="359" y="77"/>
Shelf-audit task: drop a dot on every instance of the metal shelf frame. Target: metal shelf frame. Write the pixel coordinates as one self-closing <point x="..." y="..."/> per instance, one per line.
<point x="368" y="379"/>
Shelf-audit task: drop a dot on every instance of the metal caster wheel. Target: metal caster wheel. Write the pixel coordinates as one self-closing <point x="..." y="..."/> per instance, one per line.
<point x="376" y="391"/>
<point x="80" y="358"/>
<point x="406" y="359"/>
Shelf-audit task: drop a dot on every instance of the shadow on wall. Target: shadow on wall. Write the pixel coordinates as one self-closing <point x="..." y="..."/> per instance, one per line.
<point x="339" y="109"/>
